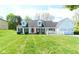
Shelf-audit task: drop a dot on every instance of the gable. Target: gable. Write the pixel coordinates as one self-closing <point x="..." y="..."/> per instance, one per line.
<point x="65" y="24"/>
<point x="23" y="23"/>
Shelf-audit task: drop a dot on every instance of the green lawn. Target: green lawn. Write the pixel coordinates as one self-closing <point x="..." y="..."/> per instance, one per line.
<point x="11" y="43"/>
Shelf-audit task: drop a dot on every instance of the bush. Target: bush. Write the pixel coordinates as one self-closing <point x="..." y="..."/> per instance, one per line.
<point x="18" y="32"/>
<point x="26" y="32"/>
<point x="76" y="32"/>
<point x="37" y="33"/>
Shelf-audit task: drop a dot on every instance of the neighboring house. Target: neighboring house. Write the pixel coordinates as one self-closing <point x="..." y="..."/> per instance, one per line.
<point x="46" y="27"/>
<point x="3" y="24"/>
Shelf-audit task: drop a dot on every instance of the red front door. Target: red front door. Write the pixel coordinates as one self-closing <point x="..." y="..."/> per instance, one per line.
<point x="32" y="30"/>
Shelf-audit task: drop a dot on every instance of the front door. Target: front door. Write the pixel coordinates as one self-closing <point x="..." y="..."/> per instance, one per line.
<point x="32" y="30"/>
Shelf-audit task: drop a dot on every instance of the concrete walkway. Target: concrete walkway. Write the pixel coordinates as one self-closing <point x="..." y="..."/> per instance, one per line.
<point x="75" y="35"/>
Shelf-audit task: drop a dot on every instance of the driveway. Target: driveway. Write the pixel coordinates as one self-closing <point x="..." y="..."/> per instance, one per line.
<point x="75" y="35"/>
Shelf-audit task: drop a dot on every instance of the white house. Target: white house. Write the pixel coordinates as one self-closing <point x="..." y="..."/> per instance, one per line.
<point x="65" y="26"/>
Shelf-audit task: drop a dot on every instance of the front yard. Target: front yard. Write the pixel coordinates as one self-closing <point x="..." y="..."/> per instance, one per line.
<point x="11" y="43"/>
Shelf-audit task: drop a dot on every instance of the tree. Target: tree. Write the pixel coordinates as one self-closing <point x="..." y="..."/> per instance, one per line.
<point x="43" y="16"/>
<point x="76" y="20"/>
<point x="13" y="20"/>
<point x="75" y="17"/>
<point x="72" y="7"/>
<point x="27" y="18"/>
<point x="77" y="27"/>
<point x="18" y="20"/>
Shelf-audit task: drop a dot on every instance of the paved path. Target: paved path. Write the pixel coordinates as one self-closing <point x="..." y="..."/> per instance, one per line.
<point x="75" y="35"/>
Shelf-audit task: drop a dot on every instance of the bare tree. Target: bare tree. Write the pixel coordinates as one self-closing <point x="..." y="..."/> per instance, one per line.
<point x="43" y="16"/>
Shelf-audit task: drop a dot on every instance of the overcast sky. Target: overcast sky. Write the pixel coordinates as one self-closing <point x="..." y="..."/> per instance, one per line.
<point x="31" y="7"/>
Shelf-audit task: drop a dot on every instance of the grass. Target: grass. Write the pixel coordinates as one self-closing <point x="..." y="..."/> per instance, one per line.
<point x="11" y="43"/>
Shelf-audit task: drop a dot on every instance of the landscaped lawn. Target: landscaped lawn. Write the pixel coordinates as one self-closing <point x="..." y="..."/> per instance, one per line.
<point x="11" y="43"/>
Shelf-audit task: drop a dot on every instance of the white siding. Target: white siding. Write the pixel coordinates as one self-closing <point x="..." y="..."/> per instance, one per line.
<point x="65" y="27"/>
<point x="50" y="31"/>
<point x="3" y="24"/>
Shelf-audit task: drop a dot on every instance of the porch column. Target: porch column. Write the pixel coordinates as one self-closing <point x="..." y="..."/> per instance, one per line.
<point x="34" y="30"/>
<point x="45" y="30"/>
<point x="23" y="30"/>
<point x="29" y="30"/>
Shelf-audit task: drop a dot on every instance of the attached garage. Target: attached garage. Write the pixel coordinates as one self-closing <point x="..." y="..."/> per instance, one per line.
<point x="65" y="26"/>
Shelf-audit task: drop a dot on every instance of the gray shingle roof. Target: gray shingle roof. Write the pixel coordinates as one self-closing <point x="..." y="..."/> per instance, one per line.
<point x="50" y="24"/>
<point x="33" y="23"/>
<point x="3" y="19"/>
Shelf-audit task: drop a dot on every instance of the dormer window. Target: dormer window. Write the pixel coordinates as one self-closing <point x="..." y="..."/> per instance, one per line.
<point x="23" y="23"/>
<point x="39" y="23"/>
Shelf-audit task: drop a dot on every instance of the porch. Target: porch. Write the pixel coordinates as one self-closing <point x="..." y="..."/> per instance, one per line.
<point x="36" y="30"/>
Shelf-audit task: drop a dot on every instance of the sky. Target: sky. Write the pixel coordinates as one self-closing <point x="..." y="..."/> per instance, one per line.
<point x="38" y="2"/>
<point x="31" y="10"/>
<point x="31" y="7"/>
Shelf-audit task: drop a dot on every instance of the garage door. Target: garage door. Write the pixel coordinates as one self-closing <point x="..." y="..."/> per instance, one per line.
<point x="68" y="32"/>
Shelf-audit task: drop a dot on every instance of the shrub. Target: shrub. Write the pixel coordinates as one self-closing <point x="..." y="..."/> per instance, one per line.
<point x="76" y="32"/>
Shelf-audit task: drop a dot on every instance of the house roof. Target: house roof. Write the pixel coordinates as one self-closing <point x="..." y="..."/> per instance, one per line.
<point x="64" y="20"/>
<point x="2" y="19"/>
<point x="50" y="24"/>
<point x="33" y="23"/>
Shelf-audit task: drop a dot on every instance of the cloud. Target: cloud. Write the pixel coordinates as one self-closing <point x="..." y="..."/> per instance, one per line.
<point x="28" y="11"/>
<point x="60" y="12"/>
<point x="38" y="2"/>
<point x="24" y="10"/>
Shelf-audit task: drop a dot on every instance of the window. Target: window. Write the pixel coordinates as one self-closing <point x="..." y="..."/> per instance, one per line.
<point x="26" y="30"/>
<point x="38" y="30"/>
<point x="20" y="30"/>
<point x="50" y="29"/>
<point x="39" y="23"/>
<point x="23" y="23"/>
